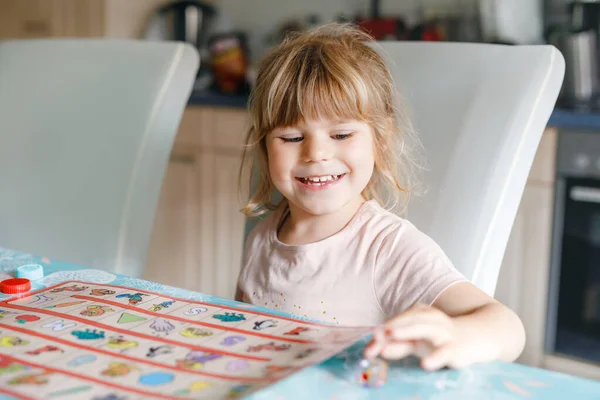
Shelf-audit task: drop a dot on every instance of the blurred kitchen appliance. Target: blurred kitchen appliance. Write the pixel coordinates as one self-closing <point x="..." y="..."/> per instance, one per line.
<point x="577" y="39"/>
<point x="581" y="74"/>
<point x="511" y="21"/>
<point x="193" y="22"/>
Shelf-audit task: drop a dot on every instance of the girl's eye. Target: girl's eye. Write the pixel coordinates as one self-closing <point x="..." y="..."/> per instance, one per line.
<point x="292" y="139"/>
<point x="342" y="136"/>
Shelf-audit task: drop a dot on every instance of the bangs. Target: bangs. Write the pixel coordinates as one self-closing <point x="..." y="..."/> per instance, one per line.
<point x="314" y="85"/>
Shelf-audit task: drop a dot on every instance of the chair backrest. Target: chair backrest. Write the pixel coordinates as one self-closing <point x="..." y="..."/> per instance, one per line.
<point x="86" y="128"/>
<point x="479" y="110"/>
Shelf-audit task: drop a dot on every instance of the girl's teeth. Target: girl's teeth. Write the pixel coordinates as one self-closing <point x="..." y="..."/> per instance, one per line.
<point x="319" y="180"/>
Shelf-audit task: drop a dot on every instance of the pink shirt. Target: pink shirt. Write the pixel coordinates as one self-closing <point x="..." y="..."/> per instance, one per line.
<point x="374" y="268"/>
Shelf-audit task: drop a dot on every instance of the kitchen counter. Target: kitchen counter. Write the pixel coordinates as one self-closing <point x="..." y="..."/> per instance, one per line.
<point x="572" y="119"/>
<point x="214" y="98"/>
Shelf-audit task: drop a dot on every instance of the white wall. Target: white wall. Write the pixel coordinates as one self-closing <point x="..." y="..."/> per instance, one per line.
<point x="128" y="19"/>
<point x="260" y="17"/>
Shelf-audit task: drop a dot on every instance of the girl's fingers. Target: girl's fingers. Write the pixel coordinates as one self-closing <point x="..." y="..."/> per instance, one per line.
<point x="438" y="358"/>
<point x="373" y="349"/>
<point x="376" y="345"/>
<point x="418" y="331"/>
<point x="419" y="316"/>
<point x="436" y="334"/>
<point x="396" y="351"/>
<point x="423" y="348"/>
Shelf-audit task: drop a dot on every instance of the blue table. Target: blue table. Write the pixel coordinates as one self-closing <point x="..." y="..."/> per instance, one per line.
<point x="329" y="379"/>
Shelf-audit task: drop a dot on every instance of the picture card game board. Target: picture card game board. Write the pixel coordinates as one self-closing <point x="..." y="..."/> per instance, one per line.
<point x="100" y="341"/>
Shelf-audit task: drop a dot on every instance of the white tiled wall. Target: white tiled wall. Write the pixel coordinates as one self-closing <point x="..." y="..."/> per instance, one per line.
<point x="260" y="17"/>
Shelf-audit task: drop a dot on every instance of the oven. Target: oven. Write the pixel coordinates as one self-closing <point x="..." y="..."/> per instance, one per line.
<point x="573" y="313"/>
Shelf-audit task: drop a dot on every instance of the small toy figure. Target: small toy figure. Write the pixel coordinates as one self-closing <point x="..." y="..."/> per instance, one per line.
<point x="372" y="373"/>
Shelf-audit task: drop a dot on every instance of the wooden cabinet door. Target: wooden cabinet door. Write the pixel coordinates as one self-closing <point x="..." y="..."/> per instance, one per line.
<point x="198" y="231"/>
<point x="535" y="269"/>
<point x="222" y="223"/>
<point x="522" y="283"/>
<point x="27" y="19"/>
<point x="172" y="257"/>
<point x="229" y="225"/>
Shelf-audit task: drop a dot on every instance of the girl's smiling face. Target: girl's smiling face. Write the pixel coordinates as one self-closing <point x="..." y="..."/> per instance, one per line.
<point x="320" y="166"/>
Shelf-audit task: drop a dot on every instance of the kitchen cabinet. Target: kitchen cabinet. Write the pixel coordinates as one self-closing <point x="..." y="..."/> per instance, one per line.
<point x="50" y="18"/>
<point x="523" y="280"/>
<point x="26" y="19"/>
<point x="198" y="233"/>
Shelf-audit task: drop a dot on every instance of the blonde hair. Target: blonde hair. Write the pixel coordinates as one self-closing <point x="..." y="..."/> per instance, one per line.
<point x="331" y="71"/>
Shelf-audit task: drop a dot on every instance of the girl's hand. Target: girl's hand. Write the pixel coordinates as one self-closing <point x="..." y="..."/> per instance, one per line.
<point x="425" y="332"/>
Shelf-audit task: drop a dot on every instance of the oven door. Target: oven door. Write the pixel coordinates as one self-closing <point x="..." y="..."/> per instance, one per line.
<point x="574" y="296"/>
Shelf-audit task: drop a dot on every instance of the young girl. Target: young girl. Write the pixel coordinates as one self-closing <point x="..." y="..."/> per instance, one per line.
<point x="324" y="133"/>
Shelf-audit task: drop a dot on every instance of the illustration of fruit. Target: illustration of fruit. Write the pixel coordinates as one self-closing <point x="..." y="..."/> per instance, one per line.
<point x="22" y="319"/>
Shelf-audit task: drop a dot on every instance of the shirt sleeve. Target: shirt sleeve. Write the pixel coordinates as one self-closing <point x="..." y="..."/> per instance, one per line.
<point x="410" y="268"/>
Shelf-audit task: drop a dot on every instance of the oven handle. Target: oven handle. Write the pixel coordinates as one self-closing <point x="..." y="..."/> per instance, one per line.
<point x="585" y="194"/>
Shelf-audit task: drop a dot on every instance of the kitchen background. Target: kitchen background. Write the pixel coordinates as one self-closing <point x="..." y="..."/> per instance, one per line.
<point x="551" y="269"/>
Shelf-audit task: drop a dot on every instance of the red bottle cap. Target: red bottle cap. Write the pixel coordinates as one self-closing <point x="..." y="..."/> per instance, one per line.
<point x="16" y="285"/>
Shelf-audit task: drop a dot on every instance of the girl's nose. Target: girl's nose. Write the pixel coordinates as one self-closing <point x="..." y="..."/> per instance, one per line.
<point x="317" y="149"/>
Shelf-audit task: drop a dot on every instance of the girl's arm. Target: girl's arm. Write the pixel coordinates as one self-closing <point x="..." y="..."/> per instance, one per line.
<point x="463" y="326"/>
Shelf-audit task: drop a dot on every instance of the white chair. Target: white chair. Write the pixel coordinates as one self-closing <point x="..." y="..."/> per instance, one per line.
<point x="479" y="111"/>
<point x="86" y="128"/>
